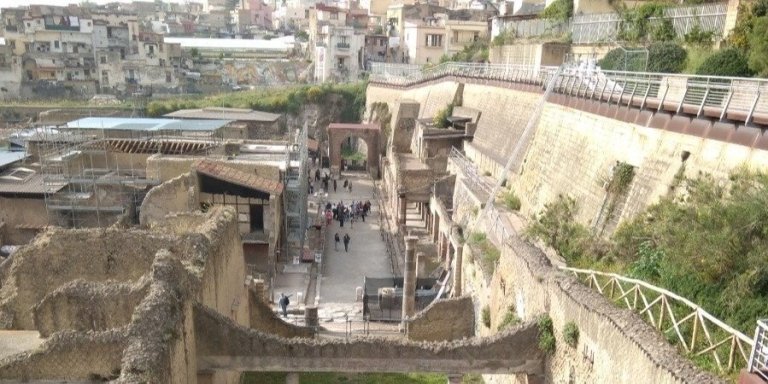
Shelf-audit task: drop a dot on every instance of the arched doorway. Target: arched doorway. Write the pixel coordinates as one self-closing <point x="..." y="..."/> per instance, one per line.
<point x="359" y="142"/>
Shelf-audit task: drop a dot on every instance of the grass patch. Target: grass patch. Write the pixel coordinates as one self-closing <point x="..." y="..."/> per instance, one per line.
<point x="571" y="334"/>
<point x="510" y="318"/>
<point x="696" y="56"/>
<point x="511" y="201"/>
<point x="485" y="315"/>
<point x="489" y="254"/>
<point x="348" y="378"/>
<point x="350" y="154"/>
<point x="546" y="334"/>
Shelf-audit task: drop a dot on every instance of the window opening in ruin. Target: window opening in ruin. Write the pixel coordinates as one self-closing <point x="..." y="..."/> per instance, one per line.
<point x="257" y="218"/>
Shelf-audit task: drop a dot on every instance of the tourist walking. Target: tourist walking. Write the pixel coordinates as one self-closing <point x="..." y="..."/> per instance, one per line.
<point x="350" y="187"/>
<point x="346" y="242"/>
<point x="336" y="242"/>
<point x="334" y="185"/>
<point x="284" y="302"/>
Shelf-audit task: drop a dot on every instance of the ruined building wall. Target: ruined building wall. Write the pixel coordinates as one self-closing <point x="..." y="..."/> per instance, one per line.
<point x="263" y="318"/>
<point x="164" y="168"/>
<point x="179" y="194"/>
<point x="83" y="306"/>
<point x="60" y="256"/>
<point x="69" y="355"/>
<point x="447" y="319"/>
<point x="432" y="98"/>
<point x="18" y="211"/>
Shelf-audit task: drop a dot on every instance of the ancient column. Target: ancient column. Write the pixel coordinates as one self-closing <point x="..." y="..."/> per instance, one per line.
<point x="457" y="271"/>
<point x="421" y="264"/>
<point x="403" y="207"/>
<point x="409" y="278"/>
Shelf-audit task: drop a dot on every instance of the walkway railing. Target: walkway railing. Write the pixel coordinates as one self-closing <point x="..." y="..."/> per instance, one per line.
<point x="697" y="332"/>
<point x="717" y="96"/>
<point x="758" y="362"/>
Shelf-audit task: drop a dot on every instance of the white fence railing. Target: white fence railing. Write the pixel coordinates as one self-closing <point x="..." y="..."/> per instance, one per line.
<point x="716" y="96"/>
<point x="605" y="27"/>
<point x="695" y="330"/>
<point x="758" y="362"/>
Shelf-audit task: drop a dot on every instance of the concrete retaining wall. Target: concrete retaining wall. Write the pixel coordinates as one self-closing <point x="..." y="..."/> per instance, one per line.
<point x="448" y="319"/>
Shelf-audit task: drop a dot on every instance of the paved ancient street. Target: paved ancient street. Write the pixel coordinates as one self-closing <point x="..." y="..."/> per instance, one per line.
<point x="344" y="271"/>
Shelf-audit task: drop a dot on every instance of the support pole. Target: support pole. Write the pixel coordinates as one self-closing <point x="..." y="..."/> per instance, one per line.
<point x="409" y="279"/>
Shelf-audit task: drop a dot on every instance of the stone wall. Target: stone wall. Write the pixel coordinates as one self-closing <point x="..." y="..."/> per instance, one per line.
<point x="82" y="306"/>
<point x="263" y="318"/>
<point x="587" y="145"/>
<point x="69" y="355"/>
<point x="20" y="211"/>
<point x="432" y="98"/>
<point x="615" y="345"/>
<point x="448" y="319"/>
<point x="179" y="194"/>
<point x="59" y="256"/>
<point x="164" y="167"/>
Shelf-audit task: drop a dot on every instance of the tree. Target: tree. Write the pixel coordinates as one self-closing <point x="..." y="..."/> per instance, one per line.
<point x="726" y="62"/>
<point x="758" y="44"/>
<point x="302" y="36"/>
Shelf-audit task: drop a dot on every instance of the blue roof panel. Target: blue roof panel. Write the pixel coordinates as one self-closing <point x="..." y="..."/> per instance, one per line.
<point x="10" y="157"/>
<point x="147" y="125"/>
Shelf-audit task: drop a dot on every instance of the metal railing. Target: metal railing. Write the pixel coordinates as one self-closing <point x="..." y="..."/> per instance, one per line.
<point x="693" y="328"/>
<point x="758" y="361"/>
<point x="721" y="97"/>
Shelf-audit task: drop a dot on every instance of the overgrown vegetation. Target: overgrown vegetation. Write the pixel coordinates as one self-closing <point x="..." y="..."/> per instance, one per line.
<point x="510" y="318"/>
<point x="725" y="62"/>
<point x="350" y="98"/>
<point x="441" y="117"/>
<point x="571" y="334"/>
<point x="707" y="242"/>
<point x="749" y="35"/>
<point x="489" y="254"/>
<point x="637" y="27"/>
<point x="559" y="10"/>
<point x="348" y="378"/>
<point x="666" y="57"/>
<point x="485" y="316"/>
<point x="350" y="154"/>
<point x="475" y="52"/>
<point x="546" y="334"/>
<point x="511" y="200"/>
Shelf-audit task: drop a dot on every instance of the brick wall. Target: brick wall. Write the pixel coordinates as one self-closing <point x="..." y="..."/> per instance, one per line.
<point x="447" y="319"/>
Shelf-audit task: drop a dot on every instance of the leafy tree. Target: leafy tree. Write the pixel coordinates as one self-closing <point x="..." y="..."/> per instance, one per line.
<point x="666" y="57"/>
<point x="699" y="37"/>
<point x="758" y="44"/>
<point x="302" y="36"/>
<point x="726" y="62"/>
<point x="559" y="10"/>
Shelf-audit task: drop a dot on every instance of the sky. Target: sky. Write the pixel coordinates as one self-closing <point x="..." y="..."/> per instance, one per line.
<point x="16" y="3"/>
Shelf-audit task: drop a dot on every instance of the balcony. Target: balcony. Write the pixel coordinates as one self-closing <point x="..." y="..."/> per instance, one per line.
<point x="343" y="46"/>
<point x="54" y="27"/>
<point x="11" y="28"/>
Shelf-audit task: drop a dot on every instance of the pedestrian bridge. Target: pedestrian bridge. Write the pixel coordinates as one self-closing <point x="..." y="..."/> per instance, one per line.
<point x="224" y="345"/>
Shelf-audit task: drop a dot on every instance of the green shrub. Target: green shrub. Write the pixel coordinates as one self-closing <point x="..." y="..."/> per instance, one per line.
<point x="636" y="24"/>
<point x="666" y="57"/>
<point x="511" y="201"/>
<point x="571" y="334"/>
<point x="619" y="60"/>
<point x="441" y="117"/>
<point x="758" y="47"/>
<point x="510" y="318"/>
<point x="726" y="62"/>
<point x="546" y="334"/>
<point x="699" y="37"/>
<point x="486" y="316"/>
<point x="559" y="10"/>
<point x="556" y="227"/>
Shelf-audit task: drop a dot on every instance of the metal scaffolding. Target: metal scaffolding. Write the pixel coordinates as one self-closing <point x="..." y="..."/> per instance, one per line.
<point x="296" y="191"/>
<point x="93" y="180"/>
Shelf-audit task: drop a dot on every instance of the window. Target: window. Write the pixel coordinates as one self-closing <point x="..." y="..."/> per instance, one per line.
<point x="103" y="59"/>
<point x="56" y="44"/>
<point x="434" y="41"/>
<point x="104" y="78"/>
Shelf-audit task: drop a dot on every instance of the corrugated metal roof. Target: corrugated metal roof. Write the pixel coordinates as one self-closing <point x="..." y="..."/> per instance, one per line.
<point x="229" y="174"/>
<point x="146" y="125"/>
<point x="278" y="44"/>
<point x="34" y="185"/>
<point x="225" y="113"/>
<point x="11" y="157"/>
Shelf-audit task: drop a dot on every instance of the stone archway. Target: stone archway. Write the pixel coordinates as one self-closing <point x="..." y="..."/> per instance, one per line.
<point x="369" y="133"/>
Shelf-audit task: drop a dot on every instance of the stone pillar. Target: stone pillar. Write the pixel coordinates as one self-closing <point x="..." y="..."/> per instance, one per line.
<point x="435" y="227"/>
<point x="310" y="316"/>
<point x="421" y="264"/>
<point x="457" y="272"/>
<point x="447" y="256"/>
<point x="402" y="205"/>
<point x="292" y="378"/>
<point x="409" y="278"/>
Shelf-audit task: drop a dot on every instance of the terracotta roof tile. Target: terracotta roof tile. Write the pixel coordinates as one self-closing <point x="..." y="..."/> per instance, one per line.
<point x="234" y="176"/>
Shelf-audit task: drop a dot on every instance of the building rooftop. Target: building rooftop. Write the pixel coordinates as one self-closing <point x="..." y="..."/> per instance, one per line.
<point x="225" y="113"/>
<point x="147" y="125"/>
<point x="278" y="44"/>
<point x="352" y="126"/>
<point x="26" y="181"/>
<point x="232" y="175"/>
<point x="10" y="157"/>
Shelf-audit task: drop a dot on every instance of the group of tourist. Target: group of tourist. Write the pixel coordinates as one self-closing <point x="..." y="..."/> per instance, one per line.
<point x="356" y="211"/>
